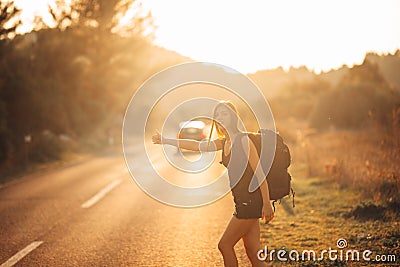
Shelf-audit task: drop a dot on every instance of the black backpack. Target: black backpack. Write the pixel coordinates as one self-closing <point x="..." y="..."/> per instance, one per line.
<point x="278" y="177"/>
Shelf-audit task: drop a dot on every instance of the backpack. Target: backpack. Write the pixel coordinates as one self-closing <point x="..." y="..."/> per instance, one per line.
<point x="278" y="177"/>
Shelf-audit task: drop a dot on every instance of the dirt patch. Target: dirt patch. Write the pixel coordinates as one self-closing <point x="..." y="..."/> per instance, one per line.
<point x="370" y="211"/>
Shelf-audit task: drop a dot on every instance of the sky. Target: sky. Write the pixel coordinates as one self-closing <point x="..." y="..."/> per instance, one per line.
<point x="263" y="34"/>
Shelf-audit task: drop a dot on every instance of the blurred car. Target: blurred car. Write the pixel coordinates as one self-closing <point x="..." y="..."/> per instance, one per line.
<point x="191" y="130"/>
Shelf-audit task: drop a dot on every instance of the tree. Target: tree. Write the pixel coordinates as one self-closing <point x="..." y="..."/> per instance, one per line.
<point x="71" y="78"/>
<point x="361" y="97"/>
<point x="104" y="15"/>
<point x="93" y="26"/>
<point x="8" y="18"/>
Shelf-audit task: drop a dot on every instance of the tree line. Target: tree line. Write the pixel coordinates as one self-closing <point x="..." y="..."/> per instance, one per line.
<point x="70" y="82"/>
<point x="360" y="97"/>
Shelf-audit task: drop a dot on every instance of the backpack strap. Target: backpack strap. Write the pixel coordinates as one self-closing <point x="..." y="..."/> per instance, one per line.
<point x="273" y="205"/>
<point x="293" y="193"/>
<point x="255" y="141"/>
<point x="279" y="200"/>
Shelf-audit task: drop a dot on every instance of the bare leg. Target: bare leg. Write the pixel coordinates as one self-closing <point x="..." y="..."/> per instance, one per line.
<point x="252" y="244"/>
<point x="236" y="229"/>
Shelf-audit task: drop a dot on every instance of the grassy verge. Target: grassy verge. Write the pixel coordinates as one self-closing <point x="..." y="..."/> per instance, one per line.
<point x="365" y="161"/>
<point x="324" y="213"/>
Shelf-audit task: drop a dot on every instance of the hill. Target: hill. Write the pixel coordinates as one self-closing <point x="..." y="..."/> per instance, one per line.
<point x="273" y="82"/>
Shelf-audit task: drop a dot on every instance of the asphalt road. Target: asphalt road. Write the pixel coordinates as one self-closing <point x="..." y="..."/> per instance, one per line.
<point x="92" y="213"/>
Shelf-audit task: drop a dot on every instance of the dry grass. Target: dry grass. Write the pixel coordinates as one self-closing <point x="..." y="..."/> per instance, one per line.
<point x="366" y="161"/>
<point x="347" y="186"/>
<point x="321" y="217"/>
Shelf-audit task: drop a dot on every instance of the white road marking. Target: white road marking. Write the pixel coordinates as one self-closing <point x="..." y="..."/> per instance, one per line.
<point x="22" y="253"/>
<point x="101" y="194"/>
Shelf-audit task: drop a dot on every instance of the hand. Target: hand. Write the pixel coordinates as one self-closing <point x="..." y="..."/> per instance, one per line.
<point x="267" y="212"/>
<point x="156" y="138"/>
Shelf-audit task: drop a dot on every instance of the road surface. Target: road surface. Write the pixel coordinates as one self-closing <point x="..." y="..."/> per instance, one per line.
<point x="92" y="213"/>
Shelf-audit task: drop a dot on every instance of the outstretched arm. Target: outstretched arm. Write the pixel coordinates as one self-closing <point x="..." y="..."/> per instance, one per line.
<point x="189" y="144"/>
<point x="251" y="152"/>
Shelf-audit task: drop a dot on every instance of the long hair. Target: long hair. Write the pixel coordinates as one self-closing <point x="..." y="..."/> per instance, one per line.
<point x="233" y="114"/>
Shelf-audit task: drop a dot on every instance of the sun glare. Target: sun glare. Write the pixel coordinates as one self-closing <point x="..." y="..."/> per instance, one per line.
<point x="32" y="9"/>
<point x="266" y="34"/>
<point x="254" y="35"/>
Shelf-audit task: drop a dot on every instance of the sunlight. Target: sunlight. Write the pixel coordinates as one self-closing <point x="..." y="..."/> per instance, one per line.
<point x="136" y="9"/>
<point x="32" y="9"/>
<point x="249" y="36"/>
<point x="267" y="34"/>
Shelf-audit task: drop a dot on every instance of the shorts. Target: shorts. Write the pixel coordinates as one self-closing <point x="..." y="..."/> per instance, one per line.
<point x="249" y="209"/>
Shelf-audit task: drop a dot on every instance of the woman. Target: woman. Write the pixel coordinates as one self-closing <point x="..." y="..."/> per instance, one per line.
<point x="249" y="206"/>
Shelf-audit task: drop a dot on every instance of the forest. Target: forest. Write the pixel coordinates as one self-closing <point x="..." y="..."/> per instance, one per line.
<point x="66" y="87"/>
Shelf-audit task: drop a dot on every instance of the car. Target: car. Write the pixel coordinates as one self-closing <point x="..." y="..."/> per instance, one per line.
<point x="191" y="130"/>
